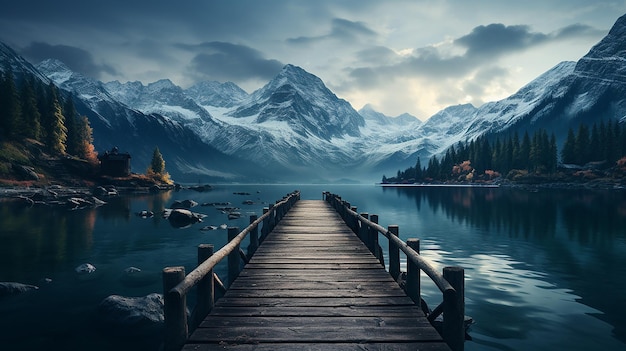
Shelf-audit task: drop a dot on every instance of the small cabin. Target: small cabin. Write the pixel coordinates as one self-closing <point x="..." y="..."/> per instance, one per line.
<point x="114" y="163"/>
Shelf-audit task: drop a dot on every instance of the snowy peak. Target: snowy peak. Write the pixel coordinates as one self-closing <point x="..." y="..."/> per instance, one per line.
<point x="212" y="93"/>
<point x="19" y="66"/>
<point x="607" y="59"/>
<point x="301" y="100"/>
<point x="371" y="115"/>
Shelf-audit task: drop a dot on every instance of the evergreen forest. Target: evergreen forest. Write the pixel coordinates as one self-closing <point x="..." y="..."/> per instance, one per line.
<point x="487" y="158"/>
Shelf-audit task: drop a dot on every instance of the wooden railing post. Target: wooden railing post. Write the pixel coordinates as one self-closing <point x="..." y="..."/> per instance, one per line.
<point x="265" y="230"/>
<point x="175" y="310"/>
<point x="454" y="308"/>
<point x="254" y="236"/>
<point x="233" y="256"/>
<point x="363" y="228"/>
<point x="272" y="218"/>
<point x="413" y="274"/>
<point x="206" y="289"/>
<point x="375" y="246"/>
<point x="354" y="222"/>
<point x="394" y="253"/>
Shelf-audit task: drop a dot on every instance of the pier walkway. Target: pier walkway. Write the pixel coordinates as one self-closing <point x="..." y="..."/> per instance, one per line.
<point x="313" y="285"/>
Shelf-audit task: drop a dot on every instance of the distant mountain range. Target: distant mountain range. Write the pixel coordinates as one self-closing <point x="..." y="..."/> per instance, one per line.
<point x="296" y="129"/>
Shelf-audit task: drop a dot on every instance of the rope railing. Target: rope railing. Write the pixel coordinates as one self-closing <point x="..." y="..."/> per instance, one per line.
<point x="450" y="283"/>
<point x="176" y="285"/>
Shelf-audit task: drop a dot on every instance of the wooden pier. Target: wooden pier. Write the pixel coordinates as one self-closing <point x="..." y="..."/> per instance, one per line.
<point x="313" y="285"/>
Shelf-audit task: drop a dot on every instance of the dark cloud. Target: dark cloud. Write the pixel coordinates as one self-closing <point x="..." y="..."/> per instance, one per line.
<point x="77" y="59"/>
<point x="230" y="62"/>
<point x="497" y="39"/>
<point x="482" y="45"/>
<point x="341" y="30"/>
<point x="576" y="31"/>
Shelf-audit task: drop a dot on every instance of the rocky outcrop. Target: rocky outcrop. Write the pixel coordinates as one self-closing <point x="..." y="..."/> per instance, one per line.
<point x="132" y="315"/>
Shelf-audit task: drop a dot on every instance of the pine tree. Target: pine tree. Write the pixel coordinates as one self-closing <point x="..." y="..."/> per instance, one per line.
<point x="73" y="142"/>
<point x="56" y="133"/>
<point x="582" y="145"/>
<point x="86" y="149"/>
<point x="30" y="113"/>
<point x="10" y="107"/>
<point x="158" y="164"/>
<point x="568" y="152"/>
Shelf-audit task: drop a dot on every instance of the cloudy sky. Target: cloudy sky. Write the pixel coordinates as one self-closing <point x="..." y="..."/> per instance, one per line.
<point x="400" y="56"/>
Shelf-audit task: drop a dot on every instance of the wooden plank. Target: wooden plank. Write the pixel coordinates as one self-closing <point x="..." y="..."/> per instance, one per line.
<point x="311" y="321"/>
<point x="278" y="310"/>
<point x="350" y="302"/>
<point x="344" y="333"/>
<point x="421" y="346"/>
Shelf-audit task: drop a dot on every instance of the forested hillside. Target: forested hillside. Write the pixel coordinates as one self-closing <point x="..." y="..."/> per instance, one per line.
<point x="37" y="123"/>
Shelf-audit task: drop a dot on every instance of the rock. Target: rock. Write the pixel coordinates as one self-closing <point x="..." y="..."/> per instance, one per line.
<point x="185" y="204"/>
<point x="26" y="172"/>
<point x="145" y="214"/>
<point x="131" y="270"/>
<point x="85" y="268"/>
<point x="12" y="288"/>
<point x="180" y="218"/>
<point x="133" y="315"/>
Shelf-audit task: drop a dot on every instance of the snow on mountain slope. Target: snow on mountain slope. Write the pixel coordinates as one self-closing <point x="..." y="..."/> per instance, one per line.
<point x="211" y="93"/>
<point x="302" y="100"/>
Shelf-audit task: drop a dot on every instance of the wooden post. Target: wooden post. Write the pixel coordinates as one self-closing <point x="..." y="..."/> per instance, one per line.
<point x="206" y="289"/>
<point x="454" y="308"/>
<point x="266" y="221"/>
<point x="372" y="239"/>
<point x="272" y="218"/>
<point x="175" y="310"/>
<point x="413" y="274"/>
<point x="363" y="228"/>
<point x="354" y="222"/>
<point x="233" y="257"/>
<point x="394" y="253"/>
<point x="254" y="236"/>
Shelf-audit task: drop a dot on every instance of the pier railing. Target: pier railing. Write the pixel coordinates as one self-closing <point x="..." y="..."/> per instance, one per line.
<point x="451" y="283"/>
<point x="176" y="285"/>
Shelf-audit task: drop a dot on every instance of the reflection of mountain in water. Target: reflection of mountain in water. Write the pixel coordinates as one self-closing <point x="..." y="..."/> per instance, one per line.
<point x="576" y="236"/>
<point x="588" y="216"/>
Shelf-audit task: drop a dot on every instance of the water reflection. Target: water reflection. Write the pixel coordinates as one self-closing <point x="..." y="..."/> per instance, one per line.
<point x="38" y="239"/>
<point x="535" y="260"/>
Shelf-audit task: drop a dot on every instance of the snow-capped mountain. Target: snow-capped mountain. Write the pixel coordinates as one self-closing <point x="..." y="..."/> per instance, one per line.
<point x="305" y="103"/>
<point x="18" y="65"/>
<point x="116" y="124"/>
<point x="295" y="128"/>
<point x="212" y="93"/>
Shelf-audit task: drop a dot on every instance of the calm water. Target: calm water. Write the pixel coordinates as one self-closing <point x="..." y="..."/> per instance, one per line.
<point x="544" y="270"/>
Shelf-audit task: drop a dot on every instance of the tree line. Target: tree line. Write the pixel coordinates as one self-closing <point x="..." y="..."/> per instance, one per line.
<point x="486" y="158"/>
<point x="34" y="110"/>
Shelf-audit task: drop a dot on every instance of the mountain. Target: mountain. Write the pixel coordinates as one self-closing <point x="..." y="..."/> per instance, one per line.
<point x="212" y="93"/>
<point x="115" y="124"/>
<point x="295" y="129"/>
<point x="305" y="103"/>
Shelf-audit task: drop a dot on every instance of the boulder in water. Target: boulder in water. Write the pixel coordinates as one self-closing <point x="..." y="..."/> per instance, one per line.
<point x="133" y="315"/>
<point x="13" y="288"/>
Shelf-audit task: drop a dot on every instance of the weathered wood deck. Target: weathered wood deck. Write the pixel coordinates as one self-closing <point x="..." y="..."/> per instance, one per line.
<point x="313" y="285"/>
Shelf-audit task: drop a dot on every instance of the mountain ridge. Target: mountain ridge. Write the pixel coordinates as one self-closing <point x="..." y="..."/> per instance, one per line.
<point x="295" y="128"/>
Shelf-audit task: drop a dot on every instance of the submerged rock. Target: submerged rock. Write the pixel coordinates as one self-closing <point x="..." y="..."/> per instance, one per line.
<point x="133" y="315"/>
<point x="13" y="288"/>
<point x="85" y="268"/>
<point x="185" y="204"/>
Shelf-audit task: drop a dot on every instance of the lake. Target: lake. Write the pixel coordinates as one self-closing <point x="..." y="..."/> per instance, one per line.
<point x="544" y="269"/>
